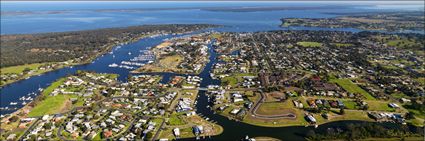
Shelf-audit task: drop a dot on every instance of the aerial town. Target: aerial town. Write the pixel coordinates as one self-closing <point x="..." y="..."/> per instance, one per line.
<point x="270" y="79"/>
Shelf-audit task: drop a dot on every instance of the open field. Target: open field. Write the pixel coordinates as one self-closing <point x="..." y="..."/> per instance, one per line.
<point x="349" y="86"/>
<point x="342" y="44"/>
<point x="166" y="64"/>
<point x="310" y="44"/>
<point x="275" y="108"/>
<point x="20" y="68"/>
<point x="53" y="104"/>
<point x="235" y="78"/>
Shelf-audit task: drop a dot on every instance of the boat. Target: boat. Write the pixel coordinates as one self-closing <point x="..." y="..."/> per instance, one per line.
<point x="113" y="65"/>
<point x="13" y="103"/>
<point x="24" y="103"/>
<point x="129" y="53"/>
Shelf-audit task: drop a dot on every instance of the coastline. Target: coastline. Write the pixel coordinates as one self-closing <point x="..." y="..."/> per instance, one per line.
<point x="108" y="47"/>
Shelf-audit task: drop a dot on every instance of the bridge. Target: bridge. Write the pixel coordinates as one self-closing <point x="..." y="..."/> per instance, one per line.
<point x="203" y="89"/>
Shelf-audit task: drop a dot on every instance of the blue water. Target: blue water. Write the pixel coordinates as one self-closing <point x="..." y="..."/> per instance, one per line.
<point x="71" y="16"/>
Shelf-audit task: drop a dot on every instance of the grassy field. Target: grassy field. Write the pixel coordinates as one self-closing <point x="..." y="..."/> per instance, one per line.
<point x="166" y="64"/>
<point x="21" y="68"/>
<point x="51" y="104"/>
<point x="349" y="104"/>
<point x="216" y="35"/>
<point x="349" y="86"/>
<point x="275" y="108"/>
<point x="342" y="44"/>
<point x="310" y="44"/>
<point x="234" y="78"/>
<point x="401" y="43"/>
<point x="375" y="105"/>
<point x="176" y="120"/>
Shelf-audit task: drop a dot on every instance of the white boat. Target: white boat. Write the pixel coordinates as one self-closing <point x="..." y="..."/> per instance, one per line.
<point x="13" y="103"/>
<point x="129" y="53"/>
<point x="24" y="103"/>
<point x="113" y="65"/>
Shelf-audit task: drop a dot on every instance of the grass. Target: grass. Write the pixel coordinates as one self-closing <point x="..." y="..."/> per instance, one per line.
<point x="216" y="35"/>
<point x="310" y="44"/>
<point x="343" y="45"/>
<point x="349" y="86"/>
<point x="275" y="108"/>
<point x="234" y="78"/>
<point x="51" y="105"/>
<point x="165" y="64"/>
<point x="176" y="120"/>
<point x="53" y="86"/>
<point x="401" y="43"/>
<point x="20" y="68"/>
<point x="97" y="137"/>
<point x="375" y="105"/>
<point x="230" y="80"/>
<point x="350" y="104"/>
<point x="399" y="95"/>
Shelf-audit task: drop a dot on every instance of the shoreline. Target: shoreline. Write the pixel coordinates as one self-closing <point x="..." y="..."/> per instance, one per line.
<point x="108" y="47"/>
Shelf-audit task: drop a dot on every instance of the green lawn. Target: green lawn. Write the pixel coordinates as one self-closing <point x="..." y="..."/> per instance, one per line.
<point x="375" y="105"/>
<point x="402" y="43"/>
<point x="176" y="120"/>
<point x="234" y="78"/>
<point x="97" y="137"/>
<point x="349" y="86"/>
<point x="20" y="68"/>
<point x="399" y="95"/>
<point x="53" y="86"/>
<point x="310" y="44"/>
<point x="343" y="45"/>
<point x="51" y="105"/>
<point x="350" y="104"/>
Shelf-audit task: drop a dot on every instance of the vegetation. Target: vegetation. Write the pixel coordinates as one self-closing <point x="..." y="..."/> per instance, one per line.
<point x="63" y="46"/>
<point x="309" y="44"/>
<point x="362" y="131"/>
<point x="350" y="87"/>
<point x="47" y="104"/>
<point x="389" y="21"/>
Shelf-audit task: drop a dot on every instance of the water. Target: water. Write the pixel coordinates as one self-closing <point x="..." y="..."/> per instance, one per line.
<point x="71" y="16"/>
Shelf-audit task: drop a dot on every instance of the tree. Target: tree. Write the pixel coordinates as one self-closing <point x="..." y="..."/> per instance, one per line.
<point x="341" y="111"/>
<point x="13" y="119"/>
<point x="409" y="115"/>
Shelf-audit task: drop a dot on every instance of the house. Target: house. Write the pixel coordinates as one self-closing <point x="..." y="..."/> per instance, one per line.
<point x="310" y="119"/>
<point x="237" y="97"/>
<point x="11" y="137"/>
<point x="393" y="105"/>
<point x="176" y="132"/>
<point x="405" y="100"/>
<point x="235" y="111"/>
